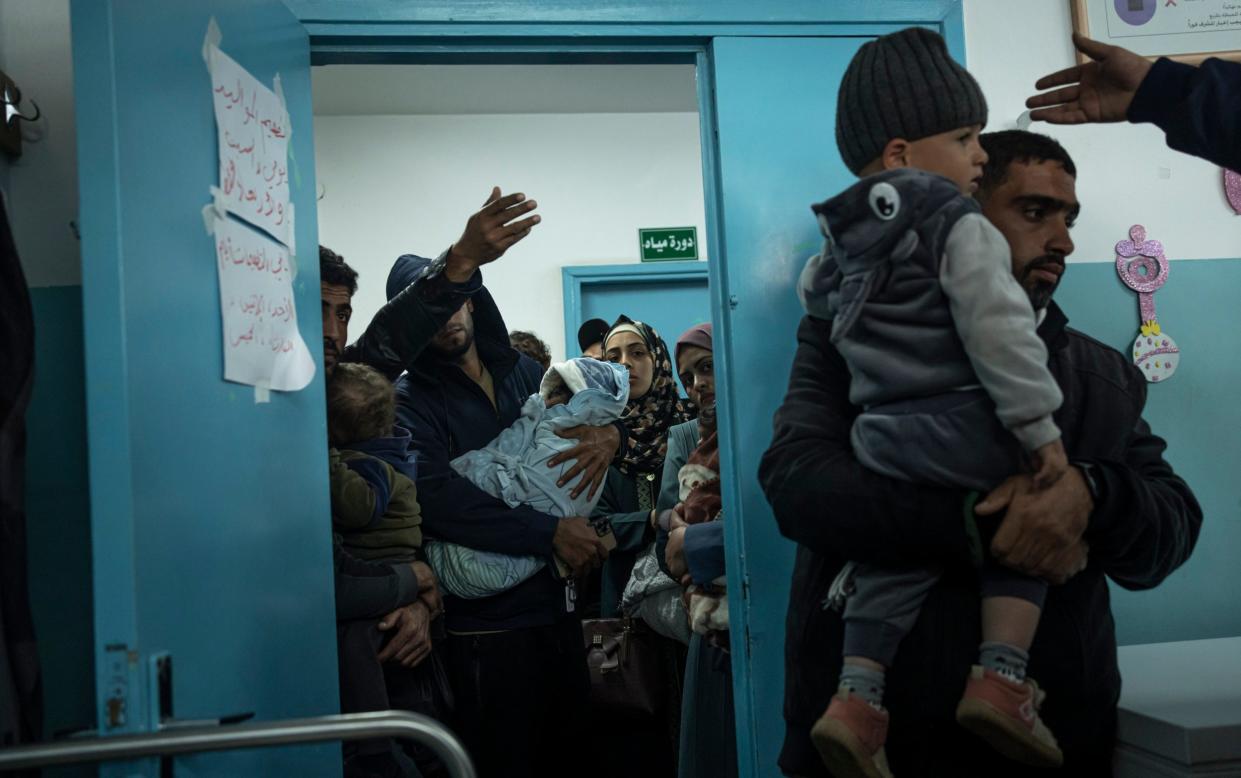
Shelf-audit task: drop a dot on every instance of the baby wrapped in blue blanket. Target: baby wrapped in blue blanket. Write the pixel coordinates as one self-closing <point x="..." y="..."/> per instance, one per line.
<point x="513" y="468"/>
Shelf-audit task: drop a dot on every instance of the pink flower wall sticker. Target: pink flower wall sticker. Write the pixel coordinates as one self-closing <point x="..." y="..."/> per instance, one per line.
<point x="1142" y="267"/>
<point x="1232" y="189"/>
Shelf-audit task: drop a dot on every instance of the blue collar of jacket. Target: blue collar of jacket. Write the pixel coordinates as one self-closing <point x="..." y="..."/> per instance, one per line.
<point x="393" y="449"/>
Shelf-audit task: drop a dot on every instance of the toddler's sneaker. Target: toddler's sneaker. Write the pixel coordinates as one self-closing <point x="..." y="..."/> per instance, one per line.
<point x="1005" y="714"/>
<point x="850" y="737"/>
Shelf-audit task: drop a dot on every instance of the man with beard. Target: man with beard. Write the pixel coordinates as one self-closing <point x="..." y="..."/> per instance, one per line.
<point x="393" y="340"/>
<point x="1120" y="512"/>
<point x="404" y="597"/>
<point x="516" y="658"/>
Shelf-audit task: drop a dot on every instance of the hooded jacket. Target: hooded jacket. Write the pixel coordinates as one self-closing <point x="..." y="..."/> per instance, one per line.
<point x="920" y="291"/>
<point x="406" y="324"/>
<point x="450" y="415"/>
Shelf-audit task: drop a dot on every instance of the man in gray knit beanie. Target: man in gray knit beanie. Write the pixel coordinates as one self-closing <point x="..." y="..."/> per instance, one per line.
<point x="944" y="358"/>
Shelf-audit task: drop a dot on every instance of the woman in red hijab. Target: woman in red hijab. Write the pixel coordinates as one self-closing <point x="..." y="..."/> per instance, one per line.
<point x="696" y="551"/>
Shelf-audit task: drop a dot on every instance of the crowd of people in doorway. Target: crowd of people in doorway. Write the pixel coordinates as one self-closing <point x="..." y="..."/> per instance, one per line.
<point x="533" y="551"/>
<point x="492" y="510"/>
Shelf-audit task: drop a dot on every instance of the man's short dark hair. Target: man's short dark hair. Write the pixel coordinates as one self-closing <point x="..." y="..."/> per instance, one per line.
<point x="335" y="271"/>
<point x="592" y="332"/>
<point x="532" y="346"/>
<point x="1009" y="146"/>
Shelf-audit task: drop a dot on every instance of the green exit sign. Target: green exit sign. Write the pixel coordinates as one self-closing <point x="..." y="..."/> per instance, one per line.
<point x="660" y="243"/>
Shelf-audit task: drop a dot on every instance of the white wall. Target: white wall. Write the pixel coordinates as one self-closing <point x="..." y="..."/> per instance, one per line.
<point x="41" y="185"/>
<point x="406" y="184"/>
<point x="1008" y="46"/>
<point x="1126" y="174"/>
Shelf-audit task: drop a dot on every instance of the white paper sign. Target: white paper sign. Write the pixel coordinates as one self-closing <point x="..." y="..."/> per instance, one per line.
<point x="262" y="346"/>
<point x="1166" y="27"/>
<point x="1158" y="17"/>
<point x="253" y="129"/>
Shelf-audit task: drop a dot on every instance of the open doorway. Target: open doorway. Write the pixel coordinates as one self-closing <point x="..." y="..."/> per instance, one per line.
<point x="404" y="153"/>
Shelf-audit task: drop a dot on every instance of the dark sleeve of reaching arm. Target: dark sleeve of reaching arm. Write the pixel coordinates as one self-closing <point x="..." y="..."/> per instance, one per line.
<point x="1146" y="519"/>
<point x="370" y="589"/>
<point x="824" y="499"/>
<point x="1198" y="108"/>
<point x="453" y="508"/>
<point x="403" y="327"/>
<point x="704" y="551"/>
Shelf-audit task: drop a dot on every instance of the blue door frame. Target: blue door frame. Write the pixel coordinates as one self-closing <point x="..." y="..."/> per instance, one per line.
<point x="490" y="31"/>
<point x="578" y="279"/>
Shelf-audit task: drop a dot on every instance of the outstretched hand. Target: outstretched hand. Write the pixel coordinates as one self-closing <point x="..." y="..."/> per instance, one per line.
<point x="490" y="232"/>
<point x="1098" y="91"/>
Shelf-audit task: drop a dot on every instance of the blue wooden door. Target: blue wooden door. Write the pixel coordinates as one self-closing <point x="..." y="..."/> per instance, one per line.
<point x="775" y="102"/>
<point x="209" y="511"/>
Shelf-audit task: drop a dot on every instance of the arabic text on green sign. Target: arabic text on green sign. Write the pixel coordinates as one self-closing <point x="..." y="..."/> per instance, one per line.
<point x="663" y="243"/>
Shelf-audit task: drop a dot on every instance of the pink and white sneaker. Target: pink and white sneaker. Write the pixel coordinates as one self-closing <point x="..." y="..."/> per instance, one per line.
<point x="849" y="737"/>
<point x="1005" y="714"/>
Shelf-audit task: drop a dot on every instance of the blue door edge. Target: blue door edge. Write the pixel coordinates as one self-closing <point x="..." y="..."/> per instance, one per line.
<point x="118" y="673"/>
<point x="951" y="26"/>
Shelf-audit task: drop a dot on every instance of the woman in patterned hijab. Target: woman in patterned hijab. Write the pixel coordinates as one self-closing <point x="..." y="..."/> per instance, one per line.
<point x="628" y="497"/>
<point x="654" y="403"/>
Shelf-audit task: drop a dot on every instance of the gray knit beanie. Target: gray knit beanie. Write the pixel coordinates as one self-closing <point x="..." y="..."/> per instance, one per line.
<point x="903" y="85"/>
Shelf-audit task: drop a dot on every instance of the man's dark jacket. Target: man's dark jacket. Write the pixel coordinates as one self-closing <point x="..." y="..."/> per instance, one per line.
<point x="449" y="414"/>
<point x="1144" y="525"/>
<point x="1198" y="108"/>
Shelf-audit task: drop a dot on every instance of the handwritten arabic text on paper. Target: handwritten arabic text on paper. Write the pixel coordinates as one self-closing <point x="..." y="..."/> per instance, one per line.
<point x="253" y="129"/>
<point x="262" y="345"/>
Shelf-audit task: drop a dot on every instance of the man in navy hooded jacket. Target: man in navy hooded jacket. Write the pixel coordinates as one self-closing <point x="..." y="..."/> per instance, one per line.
<point x="516" y="659"/>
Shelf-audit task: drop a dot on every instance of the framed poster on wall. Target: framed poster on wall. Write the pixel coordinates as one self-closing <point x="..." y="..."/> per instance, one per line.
<point x="1184" y="30"/>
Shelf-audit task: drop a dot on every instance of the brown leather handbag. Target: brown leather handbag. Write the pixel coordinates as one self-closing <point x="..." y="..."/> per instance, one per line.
<point x="629" y="672"/>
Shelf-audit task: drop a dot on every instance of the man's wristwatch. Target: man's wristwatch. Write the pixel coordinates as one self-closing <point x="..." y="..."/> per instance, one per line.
<point x="437" y="265"/>
<point x="1090" y="474"/>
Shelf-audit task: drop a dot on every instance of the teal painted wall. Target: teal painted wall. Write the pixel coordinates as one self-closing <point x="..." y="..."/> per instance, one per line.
<point x="1197" y="412"/>
<point x="58" y="515"/>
